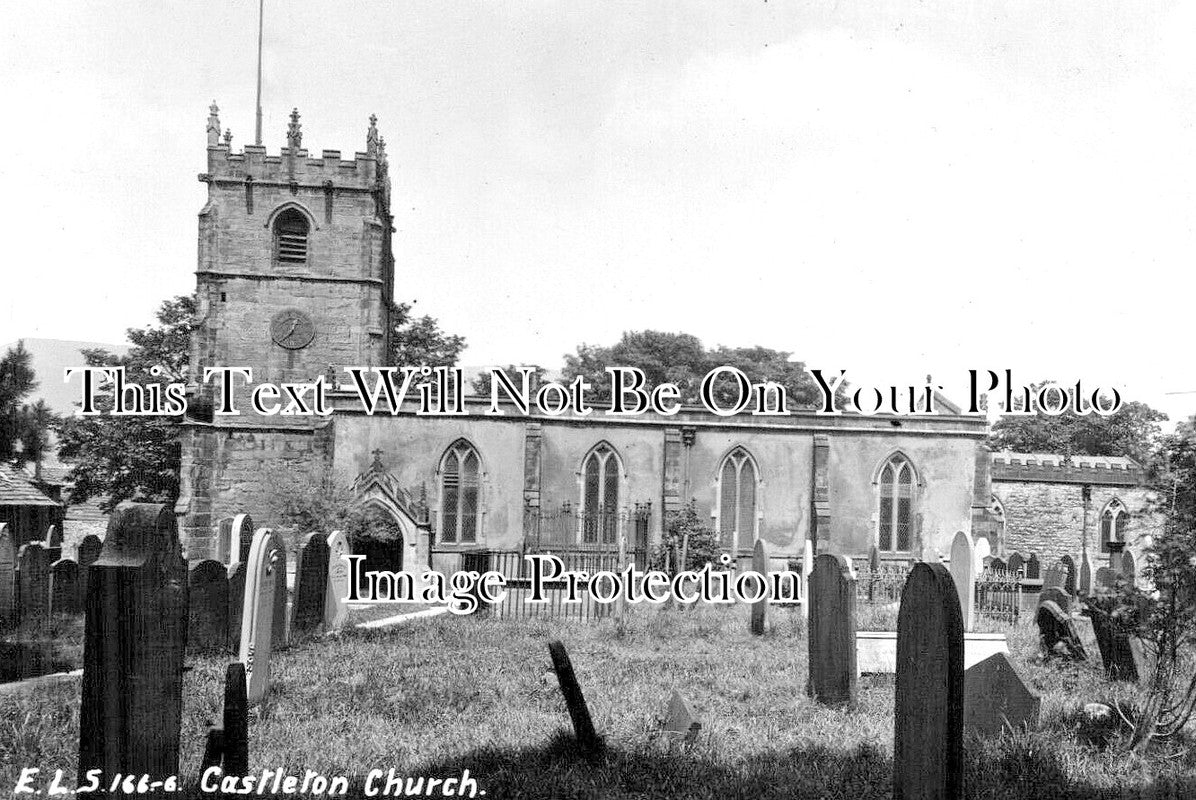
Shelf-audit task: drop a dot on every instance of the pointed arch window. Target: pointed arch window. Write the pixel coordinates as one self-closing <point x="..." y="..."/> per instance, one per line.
<point x="290" y="237"/>
<point x="895" y="520"/>
<point x="1114" y="522"/>
<point x="737" y="481"/>
<point x="600" y="496"/>
<point x="459" y="494"/>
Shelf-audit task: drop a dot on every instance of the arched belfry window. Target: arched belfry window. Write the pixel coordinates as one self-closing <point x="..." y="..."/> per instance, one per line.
<point x="1114" y="522"/>
<point x="600" y="496"/>
<point x="895" y="517"/>
<point x="290" y="237"/>
<point x="737" y="481"/>
<point x="460" y="482"/>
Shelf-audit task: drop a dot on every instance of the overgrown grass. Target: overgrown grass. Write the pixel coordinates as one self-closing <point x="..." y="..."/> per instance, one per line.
<point x="438" y="696"/>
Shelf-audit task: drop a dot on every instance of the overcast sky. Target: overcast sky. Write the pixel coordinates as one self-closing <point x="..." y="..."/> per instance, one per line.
<point x="894" y="189"/>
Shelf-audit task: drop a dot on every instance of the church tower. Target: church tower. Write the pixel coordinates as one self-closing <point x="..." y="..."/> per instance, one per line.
<point x="295" y="279"/>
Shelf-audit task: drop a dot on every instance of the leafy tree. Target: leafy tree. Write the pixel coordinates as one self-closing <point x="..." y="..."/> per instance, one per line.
<point x="680" y="358"/>
<point x="1132" y="430"/>
<point x="24" y="427"/>
<point x="686" y="532"/>
<point x="419" y="341"/>
<point x="482" y="383"/>
<point x="135" y="456"/>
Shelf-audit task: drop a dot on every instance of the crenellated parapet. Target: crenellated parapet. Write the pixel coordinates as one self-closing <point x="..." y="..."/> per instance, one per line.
<point x="294" y="167"/>
<point x="1054" y="468"/>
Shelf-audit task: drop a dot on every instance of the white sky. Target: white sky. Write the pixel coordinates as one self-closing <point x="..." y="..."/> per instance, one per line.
<point x="895" y="189"/>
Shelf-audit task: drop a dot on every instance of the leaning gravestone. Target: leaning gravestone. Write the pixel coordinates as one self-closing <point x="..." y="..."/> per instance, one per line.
<point x="995" y="696"/>
<point x="311" y="583"/>
<point x="963" y="566"/>
<point x="207" y="627"/>
<point x="929" y="703"/>
<point x="1057" y="633"/>
<point x="335" y="610"/>
<point x="1056" y="596"/>
<point x="33" y="574"/>
<point x="134" y="643"/>
<point x="575" y="701"/>
<point x="1033" y="568"/>
<point x="832" y="629"/>
<point x="8" y="577"/>
<point x="86" y="554"/>
<point x="236" y="602"/>
<point x="760" y="567"/>
<point x="64" y="587"/>
<point x="1115" y="645"/>
<point x="257" y="616"/>
<point x="241" y="537"/>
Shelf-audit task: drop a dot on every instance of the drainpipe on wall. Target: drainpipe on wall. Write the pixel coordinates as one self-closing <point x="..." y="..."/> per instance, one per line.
<point x="1086" y="495"/>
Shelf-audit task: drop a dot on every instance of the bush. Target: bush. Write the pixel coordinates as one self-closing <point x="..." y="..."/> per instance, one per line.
<point x="684" y="530"/>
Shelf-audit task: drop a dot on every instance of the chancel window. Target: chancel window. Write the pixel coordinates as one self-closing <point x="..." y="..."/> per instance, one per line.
<point x="895" y="528"/>
<point x="737" y="501"/>
<point x="600" y="496"/>
<point x="290" y="237"/>
<point x="1114" y="521"/>
<point x="459" y="490"/>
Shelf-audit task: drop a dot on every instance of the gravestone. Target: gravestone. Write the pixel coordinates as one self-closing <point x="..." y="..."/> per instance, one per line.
<point x="583" y="726"/>
<point x="1116" y="649"/>
<point x="963" y="572"/>
<point x="236" y="601"/>
<point x="873" y="559"/>
<point x="228" y="746"/>
<point x="33" y="577"/>
<point x="1127" y="566"/>
<point x="86" y="554"/>
<point x="134" y="643"/>
<point x="1105" y="578"/>
<point x="929" y="702"/>
<point x="241" y="537"/>
<point x="1017" y="563"/>
<point x="832" y="647"/>
<point x="8" y="577"/>
<point x="279" y="630"/>
<point x="995" y="696"/>
<point x="257" y="615"/>
<point x="311" y="583"/>
<point x="226" y="553"/>
<point x="64" y="587"/>
<point x="679" y="721"/>
<point x="760" y="567"/>
<point x="983" y="550"/>
<point x="335" y="610"/>
<point x="1055" y="576"/>
<point x="54" y="538"/>
<point x="1057" y="633"/>
<point x="998" y="564"/>
<point x="207" y="618"/>
<point x="1033" y="568"/>
<point x="1070" y="579"/>
<point x="1056" y="596"/>
<point x="1084" y="584"/>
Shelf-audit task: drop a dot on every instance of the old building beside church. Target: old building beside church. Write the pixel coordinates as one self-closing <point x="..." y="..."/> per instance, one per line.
<point x="295" y="280"/>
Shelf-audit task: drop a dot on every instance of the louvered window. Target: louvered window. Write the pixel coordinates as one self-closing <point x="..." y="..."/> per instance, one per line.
<point x="290" y="237"/>
<point x="737" y="501"/>
<point x="459" y="506"/>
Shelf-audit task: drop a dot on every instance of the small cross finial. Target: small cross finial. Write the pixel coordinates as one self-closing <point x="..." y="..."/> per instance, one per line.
<point x="294" y="135"/>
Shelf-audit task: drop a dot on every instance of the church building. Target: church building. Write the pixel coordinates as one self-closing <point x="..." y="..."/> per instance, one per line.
<point x="296" y="278"/>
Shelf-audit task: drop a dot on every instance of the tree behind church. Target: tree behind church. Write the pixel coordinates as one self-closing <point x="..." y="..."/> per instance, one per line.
<point x="138" y="457"/>
<point x="23" y="426"/>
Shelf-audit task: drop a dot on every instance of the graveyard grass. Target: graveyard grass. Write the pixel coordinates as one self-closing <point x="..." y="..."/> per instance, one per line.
<point x="436" y="696"/>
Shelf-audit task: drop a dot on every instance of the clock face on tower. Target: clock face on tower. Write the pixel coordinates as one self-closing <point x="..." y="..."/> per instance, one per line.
<point x="292" y="329"/>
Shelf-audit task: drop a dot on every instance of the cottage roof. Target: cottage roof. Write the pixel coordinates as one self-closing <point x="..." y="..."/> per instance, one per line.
<point x="16" y="490"/>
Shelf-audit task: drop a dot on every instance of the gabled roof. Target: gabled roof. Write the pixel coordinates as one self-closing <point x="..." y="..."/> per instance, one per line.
<point x="16" y="490"/>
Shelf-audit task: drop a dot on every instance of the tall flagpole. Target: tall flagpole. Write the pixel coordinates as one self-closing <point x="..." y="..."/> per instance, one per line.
<point x="260" y="10"/>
